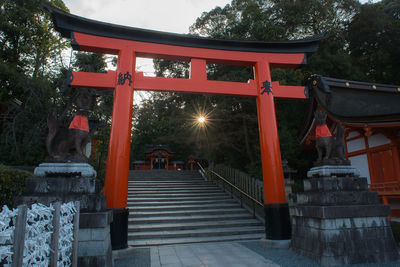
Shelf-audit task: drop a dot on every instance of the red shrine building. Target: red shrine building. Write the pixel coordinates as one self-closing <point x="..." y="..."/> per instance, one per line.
<point x="370" y="116"/>
<point x="158" y="157"/>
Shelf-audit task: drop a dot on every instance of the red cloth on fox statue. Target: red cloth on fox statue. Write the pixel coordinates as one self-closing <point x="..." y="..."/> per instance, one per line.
<point x="322" y="131"/>
<point x="79" y="122"/>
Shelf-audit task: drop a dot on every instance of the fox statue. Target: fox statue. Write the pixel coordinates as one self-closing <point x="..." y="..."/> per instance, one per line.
<point x="331" y="150"/>
<point x="60" y="142"/>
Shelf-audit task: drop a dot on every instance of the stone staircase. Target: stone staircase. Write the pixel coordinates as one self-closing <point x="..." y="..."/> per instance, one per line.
<point x="175" y="207"/>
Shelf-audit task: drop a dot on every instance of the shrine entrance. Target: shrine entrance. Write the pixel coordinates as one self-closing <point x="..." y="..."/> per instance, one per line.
<point x="129" y="43"/>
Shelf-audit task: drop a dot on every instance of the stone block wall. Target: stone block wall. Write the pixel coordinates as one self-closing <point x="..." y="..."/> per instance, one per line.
<point x="94" y="248"/>
<point x="338" y="221"/>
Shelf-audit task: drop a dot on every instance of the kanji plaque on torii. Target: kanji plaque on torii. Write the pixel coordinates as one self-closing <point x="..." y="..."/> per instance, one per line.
<point x="129" y="43"/>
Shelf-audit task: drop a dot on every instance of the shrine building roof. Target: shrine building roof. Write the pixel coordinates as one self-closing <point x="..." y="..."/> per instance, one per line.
<point x="353" y="103"/>
<point x="151" y="148"/>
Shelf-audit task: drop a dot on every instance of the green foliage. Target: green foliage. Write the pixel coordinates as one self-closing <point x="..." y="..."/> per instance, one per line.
<point x="12" y="184"/>
<point x="30" y="60"/>
<point x="374" y="39"/>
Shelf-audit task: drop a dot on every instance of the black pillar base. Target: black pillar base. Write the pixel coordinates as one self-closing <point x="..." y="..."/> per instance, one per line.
<point x="119" y="228"/>
<point x="277" y="221"/>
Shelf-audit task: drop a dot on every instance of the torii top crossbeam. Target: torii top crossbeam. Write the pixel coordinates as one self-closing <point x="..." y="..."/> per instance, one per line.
<point x="129" y="43"/>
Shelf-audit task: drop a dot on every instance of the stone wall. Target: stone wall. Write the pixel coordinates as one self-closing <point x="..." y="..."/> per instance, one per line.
<point x="338" y="221"/>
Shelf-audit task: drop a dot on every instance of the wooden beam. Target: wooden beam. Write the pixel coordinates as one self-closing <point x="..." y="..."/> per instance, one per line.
<point x="197" y="85"/>
<point x="288" y="91"/>
<point x="102" y="81"/>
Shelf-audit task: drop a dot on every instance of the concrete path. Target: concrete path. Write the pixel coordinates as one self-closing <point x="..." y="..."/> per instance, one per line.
<point x="216" y="254"/>
<point x="207" y="254"/>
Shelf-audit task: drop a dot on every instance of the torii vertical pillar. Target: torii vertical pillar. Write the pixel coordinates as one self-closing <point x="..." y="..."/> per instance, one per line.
<point x="277" y="219"/>
<point x="117" y="172"/>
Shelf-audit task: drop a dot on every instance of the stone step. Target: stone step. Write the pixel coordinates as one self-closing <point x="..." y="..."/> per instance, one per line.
<point x="172" y="186"/>
<point x="153" y="208"/>
<point x="168" y="182"/>
<point x="187" y="212"/>
<point x="178" y="207"/>
<point x="197" y="232"/>
<point x="168" y="187"/>
<point x="157" y="172"/>
<point x="193" y="218"/>
<point x="166" y="198"/>
<point x="172" y="195"/>
<point x="174" y="191"/>
<point x="166" y="179"/>
<point x="186" y="240"/>
<point x="193" y="225"/>
<point x="150" y="202"/>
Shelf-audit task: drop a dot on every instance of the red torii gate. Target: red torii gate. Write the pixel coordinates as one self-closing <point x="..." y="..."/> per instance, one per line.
<point x="129" y="43"/>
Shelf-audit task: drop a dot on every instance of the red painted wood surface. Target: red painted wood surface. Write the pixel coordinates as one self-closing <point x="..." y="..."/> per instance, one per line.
<point x="274" y="186"/>
<point x="107" y="45"/>
<point x="383" y="166"/>
<point x="117" y="172"/>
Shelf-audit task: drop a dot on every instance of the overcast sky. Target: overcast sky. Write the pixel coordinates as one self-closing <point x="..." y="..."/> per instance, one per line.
<point x="163" y="15"/>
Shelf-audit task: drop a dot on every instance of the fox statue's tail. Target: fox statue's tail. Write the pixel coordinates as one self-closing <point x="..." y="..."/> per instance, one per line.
<point x="339" y="132"/>
<point x="52" y="124"/>
<point x="339" y="143"/>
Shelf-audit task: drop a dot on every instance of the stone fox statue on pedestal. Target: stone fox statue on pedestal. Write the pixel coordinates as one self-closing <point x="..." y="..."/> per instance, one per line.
<point x="330" y="149"/>
<point x="60" y="142"/>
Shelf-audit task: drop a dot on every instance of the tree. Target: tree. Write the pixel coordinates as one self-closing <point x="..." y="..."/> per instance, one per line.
<point x="30" y="50"/>
<point x="374" y="39"/>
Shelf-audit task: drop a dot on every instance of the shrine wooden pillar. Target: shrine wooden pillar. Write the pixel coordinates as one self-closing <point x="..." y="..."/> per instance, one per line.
<point x="277" y="220"/>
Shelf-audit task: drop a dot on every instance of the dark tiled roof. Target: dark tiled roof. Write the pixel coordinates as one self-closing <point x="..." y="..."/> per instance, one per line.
<point x="356" y="102"/>
<point x="353" y="102"/>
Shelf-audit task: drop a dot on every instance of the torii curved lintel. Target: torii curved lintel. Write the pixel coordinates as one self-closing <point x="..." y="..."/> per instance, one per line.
<point x="67" y="23"/>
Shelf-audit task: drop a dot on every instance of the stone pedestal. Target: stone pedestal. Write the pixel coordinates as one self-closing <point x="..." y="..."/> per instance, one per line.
<point x="338" y="221"/>
<point x="47" y="190"/>
<point x="333" y="171"/>
<point x="94" y="247"/>
<point x="68" y="169"/>
<point x="76" y="182"/>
